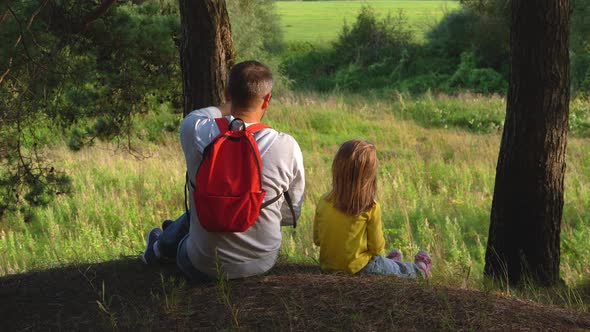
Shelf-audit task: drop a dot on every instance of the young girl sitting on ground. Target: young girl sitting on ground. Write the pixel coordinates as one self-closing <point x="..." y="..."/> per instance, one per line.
<point x="347" y="225"/>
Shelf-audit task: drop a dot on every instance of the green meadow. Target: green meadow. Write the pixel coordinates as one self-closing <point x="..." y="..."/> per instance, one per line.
<point x="436" y="186"/>
<point x="321" y="21"/>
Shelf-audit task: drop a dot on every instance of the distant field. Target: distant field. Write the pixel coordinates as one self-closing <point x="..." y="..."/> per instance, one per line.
<point x="321" y="21"/>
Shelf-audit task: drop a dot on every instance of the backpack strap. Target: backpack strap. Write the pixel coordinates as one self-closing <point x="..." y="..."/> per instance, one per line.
<point x="223" y="124"/>
<point x="289" y="202"/>
<point x="270" y="201"/>
<point x="186" y="194"/>
<point x="256" y="127"/>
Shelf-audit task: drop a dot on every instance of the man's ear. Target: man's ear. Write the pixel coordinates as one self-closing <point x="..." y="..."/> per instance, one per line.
<point x="266" y="100"/>
<point x="226" y="95"/>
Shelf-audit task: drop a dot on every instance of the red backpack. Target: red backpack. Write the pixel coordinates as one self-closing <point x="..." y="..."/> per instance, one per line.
<point x="228" y="192"/>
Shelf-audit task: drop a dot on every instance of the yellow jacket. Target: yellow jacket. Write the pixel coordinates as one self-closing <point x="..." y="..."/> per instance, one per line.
<point x="347" y="242"/>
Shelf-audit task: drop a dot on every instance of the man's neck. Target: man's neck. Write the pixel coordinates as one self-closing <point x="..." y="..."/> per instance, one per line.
<point x="247" y="115"/>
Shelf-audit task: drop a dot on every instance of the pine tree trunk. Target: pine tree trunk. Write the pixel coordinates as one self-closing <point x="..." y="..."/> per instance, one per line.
<point x="528" y="197"/>
<point x="206" y="52"/>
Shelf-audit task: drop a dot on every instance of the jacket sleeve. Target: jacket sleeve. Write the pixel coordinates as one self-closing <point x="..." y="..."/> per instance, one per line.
<point x="375" y="239"/>
<point x="198" y="129"/>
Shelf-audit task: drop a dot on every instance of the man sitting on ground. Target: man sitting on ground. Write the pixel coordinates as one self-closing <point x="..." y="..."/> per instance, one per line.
<point x="201" y="254"/>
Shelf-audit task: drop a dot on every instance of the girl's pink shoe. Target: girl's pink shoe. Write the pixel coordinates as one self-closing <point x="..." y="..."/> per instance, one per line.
<point x="396" y="255"/>
<point x="423" y="262"/>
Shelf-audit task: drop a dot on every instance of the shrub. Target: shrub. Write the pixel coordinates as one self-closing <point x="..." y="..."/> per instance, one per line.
<point x="370" y="54"/>
<point x="579" y="121"/>
<point x="486" y="80"/>
<point x="309" y="66"/>
<point x="486" y="35"/>
<point x="423" y="83"/>
<point x="256" y="27"/>
<point x="453" y="35"/>
<point x="369" y="39"/>
<point x="481" y="80"/>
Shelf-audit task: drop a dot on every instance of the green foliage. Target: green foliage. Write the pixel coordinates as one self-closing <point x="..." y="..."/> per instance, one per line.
<point x="481" y="80"/>
<point x="482" y="26"/>
<point x="579" y="121"/>
<point x="64" y="67"/>
<point x="257" y="34"/>
<point x="466" y="30"/>
<point x="471" y="112"/>
<point x="381" y="54"/>
<point x="453" y="35"/>
<point x="368" y="54"/>
<point x="65" y="72"/>
<point x="581" y="73"/>
<point x="370" y="40"/>
<point x="256" y="27"/>
<point x="423" y="83"/>
<point x="309" y="66"/>
<point x="580" y="46"/>
<point x="580" y="25"/>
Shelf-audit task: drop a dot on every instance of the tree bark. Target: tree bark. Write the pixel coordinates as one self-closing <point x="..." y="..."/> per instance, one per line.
<point x="527" y="207"/>
<point x="206" y="52"/>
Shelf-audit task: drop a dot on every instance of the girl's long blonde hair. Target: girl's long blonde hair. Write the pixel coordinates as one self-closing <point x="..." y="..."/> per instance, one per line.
<point x="354" y="177"/>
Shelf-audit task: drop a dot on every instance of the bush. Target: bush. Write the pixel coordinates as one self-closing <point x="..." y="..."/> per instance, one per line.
<point x="579" y="121"/>
<point x="580" y="46"/>
<point x="369" y="40"/>
<point x="309" y="66"/>
<point x="453" y="35"/>
<point x="487" y="36"/>
<point x="256" y="28"/>
<point x="372" y="53"/>
<point x="423" y="83"/>
<point x="480" y="80"/>
<point x="380" y="54"/>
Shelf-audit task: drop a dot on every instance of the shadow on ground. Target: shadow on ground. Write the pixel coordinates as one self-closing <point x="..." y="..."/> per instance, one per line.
<point x="125" y="295"/>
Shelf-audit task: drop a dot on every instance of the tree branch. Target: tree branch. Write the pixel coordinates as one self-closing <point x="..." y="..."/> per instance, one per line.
<point x="100" y="11"/>
<point x="33" y="16"/>
<point x="21" y="37"/>
<point x="6" y="72"/>
<point x="5" y="14"/>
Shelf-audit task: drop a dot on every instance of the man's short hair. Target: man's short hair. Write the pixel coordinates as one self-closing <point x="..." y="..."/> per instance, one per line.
<point x="248" y="81"/>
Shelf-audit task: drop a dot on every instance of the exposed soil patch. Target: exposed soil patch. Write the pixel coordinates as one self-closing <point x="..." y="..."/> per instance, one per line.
<point x="291" y="297"/>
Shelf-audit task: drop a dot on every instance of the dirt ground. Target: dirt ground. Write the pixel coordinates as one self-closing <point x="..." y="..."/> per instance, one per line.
<point x="126" y="295"/>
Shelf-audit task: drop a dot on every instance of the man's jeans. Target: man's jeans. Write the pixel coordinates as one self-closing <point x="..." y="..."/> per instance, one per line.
<point x="172" y="245"/>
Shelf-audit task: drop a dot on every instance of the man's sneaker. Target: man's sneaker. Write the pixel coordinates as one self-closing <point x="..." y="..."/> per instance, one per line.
<point x="149" y="256"/>
<point x="166" y="223"/>
<point x="396" y="255"/>
<point x="423" y="262"/>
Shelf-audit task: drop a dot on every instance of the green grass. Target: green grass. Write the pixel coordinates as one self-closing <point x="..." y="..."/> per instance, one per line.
<point x="321" y="21"/>
<point x="436" y="187"/>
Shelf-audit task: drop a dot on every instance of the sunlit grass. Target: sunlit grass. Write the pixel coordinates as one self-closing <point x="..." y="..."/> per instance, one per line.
<point x="436" y="187"/>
